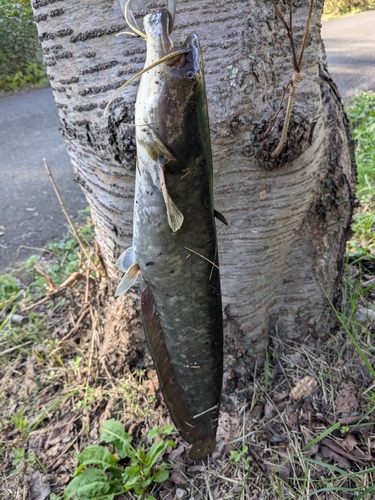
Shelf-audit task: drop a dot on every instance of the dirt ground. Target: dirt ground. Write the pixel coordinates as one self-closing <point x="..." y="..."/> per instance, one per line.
<point x="303" y="428"/>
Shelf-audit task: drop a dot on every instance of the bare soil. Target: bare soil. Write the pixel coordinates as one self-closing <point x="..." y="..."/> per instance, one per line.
<point x="68" y="363"/>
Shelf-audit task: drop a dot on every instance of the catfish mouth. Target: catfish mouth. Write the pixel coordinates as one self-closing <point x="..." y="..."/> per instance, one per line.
<point x="188" y="65"/>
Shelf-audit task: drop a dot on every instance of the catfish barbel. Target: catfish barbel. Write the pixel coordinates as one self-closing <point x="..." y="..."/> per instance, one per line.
<point x="174" y="235"/>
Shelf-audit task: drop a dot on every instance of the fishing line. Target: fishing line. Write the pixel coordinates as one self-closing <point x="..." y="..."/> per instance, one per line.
<point x="168" y="57"/>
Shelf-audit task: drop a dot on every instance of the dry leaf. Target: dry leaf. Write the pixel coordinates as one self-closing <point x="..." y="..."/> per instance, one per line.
<point x="273" y="436"/>
<point x="350" y="442"/>
<point x="347" y="402"/>
<point x="339" y="449"/>
<point x="269" y="410"/>
<point x="342" y="462"/>
<point x="177" y="477"/>
<point x="175" y="454"/>
<point x="303" y="388"/>
<point x="30" y="377"/>
<point x="228" y="427"/>
<point x="39" y="488"/>
<point x="309" y="436"/>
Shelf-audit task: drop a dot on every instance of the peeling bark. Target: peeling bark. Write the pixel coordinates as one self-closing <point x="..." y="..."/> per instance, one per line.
<point x="289" y="216"/>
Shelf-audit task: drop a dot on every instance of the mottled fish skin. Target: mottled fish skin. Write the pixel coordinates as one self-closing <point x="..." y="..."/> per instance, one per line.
<point x="181" y="298"/>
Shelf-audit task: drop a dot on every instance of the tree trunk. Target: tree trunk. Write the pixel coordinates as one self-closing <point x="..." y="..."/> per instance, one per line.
<point x="289" y="216"/>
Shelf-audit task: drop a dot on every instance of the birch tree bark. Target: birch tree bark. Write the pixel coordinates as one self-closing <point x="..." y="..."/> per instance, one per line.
<point x="289" y="216"/>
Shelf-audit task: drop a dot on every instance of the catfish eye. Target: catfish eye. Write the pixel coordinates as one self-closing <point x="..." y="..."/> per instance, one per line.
<point x="191" y="74"/>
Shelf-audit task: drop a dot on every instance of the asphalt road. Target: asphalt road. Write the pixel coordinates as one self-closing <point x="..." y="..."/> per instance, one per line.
<point x="350" y="47"/>
<point x="30" y="214"/>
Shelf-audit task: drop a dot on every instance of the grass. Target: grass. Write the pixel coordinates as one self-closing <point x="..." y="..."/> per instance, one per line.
<point x="58" y="384"/>
<point x="361" y="112"/>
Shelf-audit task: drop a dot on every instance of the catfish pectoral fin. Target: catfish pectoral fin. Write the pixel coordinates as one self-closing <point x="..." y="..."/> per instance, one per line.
<point x="202" y="448"/>
<point x="128" y="280"/>
<point x="126" y="259"/>
<point x="164" y="152"/>
<point x="174" y="215"/>
<point x="219" y="216"/>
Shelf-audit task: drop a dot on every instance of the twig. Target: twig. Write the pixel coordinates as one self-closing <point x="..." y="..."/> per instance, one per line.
<point x="87" y="282"/>
<point x="295" y="81"/>
<point x="296" y="78"/>
<point x="88" y="257"/>
<point x="70" y="282"/>
<point x="44" y="250"/>
<point x="306" y="34"/>
<point x="39" y="270"/>
<point x="273" y="119"/>
<point x="11" y="349"/>
<point x="75" y="328"/>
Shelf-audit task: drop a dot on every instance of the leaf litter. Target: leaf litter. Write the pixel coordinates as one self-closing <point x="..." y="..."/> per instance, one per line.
<point x="74" y="363"/>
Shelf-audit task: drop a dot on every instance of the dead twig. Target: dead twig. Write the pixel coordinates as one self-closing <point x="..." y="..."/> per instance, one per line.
<point x="295" y="81"/>
<point x="75" y="328"/>
<point x="296" y="78"/>
<point x="68" y="283"/>
<point x="43" y="250"/>
<point x="273" y="119"/>
<point x="14" y="348"/>
<point x="88" y="257"/>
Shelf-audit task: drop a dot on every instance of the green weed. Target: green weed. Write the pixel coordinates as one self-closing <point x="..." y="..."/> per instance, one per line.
<point x="22" y="460"/>
<point x="239" y="456"/>
<point x="361" y="112"/>
<point x="107" y="478"/>
<point x="9" y="290"/>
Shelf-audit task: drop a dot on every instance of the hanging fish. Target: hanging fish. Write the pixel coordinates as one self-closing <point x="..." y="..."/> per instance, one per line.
<point x="174" y="235"/>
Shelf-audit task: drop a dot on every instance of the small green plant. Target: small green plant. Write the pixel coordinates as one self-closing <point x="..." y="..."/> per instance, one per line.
<point x="21" y="461"/>
<point x="107" y="478"/>
<point x="9" y="290"/>
<point x="21" y="423"/>
<point x="239" y="456"/>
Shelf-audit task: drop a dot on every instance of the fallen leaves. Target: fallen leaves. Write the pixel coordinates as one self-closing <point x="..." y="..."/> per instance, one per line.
<point x="303" y="388"/>
<point x="347" y="401"/>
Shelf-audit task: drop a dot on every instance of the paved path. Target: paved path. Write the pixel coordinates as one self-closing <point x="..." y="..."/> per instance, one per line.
<point x="350" y="46"/>
<point x="29" y="212"/>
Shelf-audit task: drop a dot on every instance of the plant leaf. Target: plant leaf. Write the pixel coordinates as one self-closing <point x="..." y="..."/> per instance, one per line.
<point x="97" y="455"/>
<point x="155" y="451"/>
<point x="160" y="476"/>
<point x="114" y="432"/>
<point x="90" y="484"/>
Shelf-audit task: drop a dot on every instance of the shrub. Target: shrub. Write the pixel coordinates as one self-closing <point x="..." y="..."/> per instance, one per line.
<point x="340" y="7"/>
<point x="20" y="54"/>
